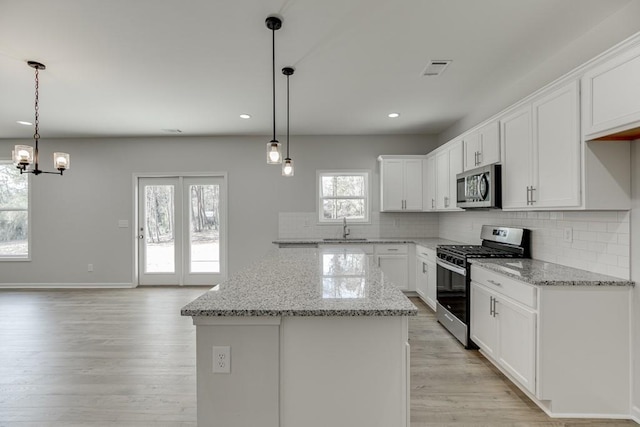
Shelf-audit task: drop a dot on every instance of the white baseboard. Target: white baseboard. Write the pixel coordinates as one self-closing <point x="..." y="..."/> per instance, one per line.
<point x="635" y="414"/>
<point x="67" y="285"/>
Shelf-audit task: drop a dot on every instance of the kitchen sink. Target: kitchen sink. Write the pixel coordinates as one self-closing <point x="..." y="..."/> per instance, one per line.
<point x="344" y="240"/>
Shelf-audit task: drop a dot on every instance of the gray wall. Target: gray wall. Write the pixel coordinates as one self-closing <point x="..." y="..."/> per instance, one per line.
<point x="75" y="217"/>
<point x="609" y="32"/>
<point x="635" y="271"/>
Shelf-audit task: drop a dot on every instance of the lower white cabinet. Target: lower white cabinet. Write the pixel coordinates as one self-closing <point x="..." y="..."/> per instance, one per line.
<point x="566" y="347"/>
<point x="426" y="276"/>
<point x="393" y="260"/>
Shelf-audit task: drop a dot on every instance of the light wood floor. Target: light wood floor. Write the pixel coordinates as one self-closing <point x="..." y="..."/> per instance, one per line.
<point x="127" y="358"/>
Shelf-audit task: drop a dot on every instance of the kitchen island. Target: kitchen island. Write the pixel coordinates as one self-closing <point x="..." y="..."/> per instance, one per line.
<point x="315" y="337"/>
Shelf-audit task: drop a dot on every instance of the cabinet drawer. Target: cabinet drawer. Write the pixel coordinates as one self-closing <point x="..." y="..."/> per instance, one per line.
<point x="346" y="247"/>
<point x="514" y="289"/>
<point x="424" y="252"/>
<point x="392" y="249"/>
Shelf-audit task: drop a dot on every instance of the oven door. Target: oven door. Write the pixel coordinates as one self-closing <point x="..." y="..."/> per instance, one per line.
<point x="452" y="289"/>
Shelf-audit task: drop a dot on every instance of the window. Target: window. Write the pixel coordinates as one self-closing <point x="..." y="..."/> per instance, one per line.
<point x="343" y="194"/>
<point x="14" y="212"/>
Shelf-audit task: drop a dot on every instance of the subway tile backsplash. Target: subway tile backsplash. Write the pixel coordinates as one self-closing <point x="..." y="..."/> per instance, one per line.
<point x="293" y="225"/>
<point x="600" y="239"/>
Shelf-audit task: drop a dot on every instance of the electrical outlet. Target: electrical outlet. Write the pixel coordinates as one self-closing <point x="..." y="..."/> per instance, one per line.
<point x="568" y="234"/>
<point x="90" y="268"/>
<point x="222" y="360"/>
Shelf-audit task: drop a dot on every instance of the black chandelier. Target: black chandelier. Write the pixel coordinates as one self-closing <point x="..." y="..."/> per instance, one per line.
<point x="25" y="155"/>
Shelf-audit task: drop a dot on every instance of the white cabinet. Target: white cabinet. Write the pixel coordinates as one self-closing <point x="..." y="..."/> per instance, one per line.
<point x="541" y="152"/>
<point x="612" y="97"/>
<point x="482" y="146"/>
<point x="393" y="260"/>
<point x="426" y="275"/>
<point x="401" y="183"/>
<point x="449" y="163"/>
<point x="542" y="338"/>
<point x="503" y="327"/>
<point x="429" y="183"/>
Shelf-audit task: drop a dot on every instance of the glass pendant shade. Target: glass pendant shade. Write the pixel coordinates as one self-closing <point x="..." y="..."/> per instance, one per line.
<point x="287" y="167"/>
<point x="23" y="155"/>
<point x="274" y="153"/>
<point x="61" y="161"/>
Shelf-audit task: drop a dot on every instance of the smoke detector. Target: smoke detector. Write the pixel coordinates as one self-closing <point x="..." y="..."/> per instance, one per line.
<point x="436" y="67"/>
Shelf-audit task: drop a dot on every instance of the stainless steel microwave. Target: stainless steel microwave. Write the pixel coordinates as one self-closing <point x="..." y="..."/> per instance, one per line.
<point x="479" y="188"/>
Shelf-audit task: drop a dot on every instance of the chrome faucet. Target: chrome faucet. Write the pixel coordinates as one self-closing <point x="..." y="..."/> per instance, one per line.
<point x="345" y="229"/>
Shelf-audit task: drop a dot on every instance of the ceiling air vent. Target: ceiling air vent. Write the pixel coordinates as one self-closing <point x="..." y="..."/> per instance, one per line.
<point x="436" y="67"/>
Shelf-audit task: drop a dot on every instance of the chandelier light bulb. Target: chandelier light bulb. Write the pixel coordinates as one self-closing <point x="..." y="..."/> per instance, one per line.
<point x="274" y="155"/>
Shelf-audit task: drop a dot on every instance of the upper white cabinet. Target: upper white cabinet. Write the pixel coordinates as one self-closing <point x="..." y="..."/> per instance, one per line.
<point x="401" y="183"/>
<point x="448" y="163"/>
<point x="541" y="152"/>
<point x="429" y="183"/>
<point x="482" y="146"/>
<point x="611" y="94"/>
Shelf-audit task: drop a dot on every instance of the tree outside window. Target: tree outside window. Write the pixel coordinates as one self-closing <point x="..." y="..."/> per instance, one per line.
<point x="343" y="195"/>
<point x="14" y="212"/>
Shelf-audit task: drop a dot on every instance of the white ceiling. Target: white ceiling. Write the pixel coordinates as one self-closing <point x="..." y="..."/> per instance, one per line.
<point x="135" y="67"/>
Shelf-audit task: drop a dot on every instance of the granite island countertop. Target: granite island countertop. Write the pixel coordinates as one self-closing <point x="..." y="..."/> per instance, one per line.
<point x="305" y="282"/>
<point x="541" y="273"/>
<point x="429" y="242"/>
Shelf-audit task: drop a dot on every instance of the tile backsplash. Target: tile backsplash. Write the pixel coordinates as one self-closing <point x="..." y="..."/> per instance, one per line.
<point x="600" y="239"/>
<point x="599" y="243"/>
<point x="292" y="225"/>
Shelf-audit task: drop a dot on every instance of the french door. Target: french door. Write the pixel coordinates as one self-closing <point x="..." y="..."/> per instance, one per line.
<point x="181" y="230"/>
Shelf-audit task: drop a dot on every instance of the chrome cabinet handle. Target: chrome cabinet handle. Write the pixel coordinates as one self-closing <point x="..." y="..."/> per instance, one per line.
<point x="532" y="190"/>
<point x="528" y="195"/>
<point x="494" y="307"/>
<point x="493" y="282"/>
<point x="446" y="202"/>
<point x="491" y="306"/>
<point x="448" y="317"/>
<point x="433" y="203"/>
<point x="424" y="267"/>
<point x="392" y="249"/>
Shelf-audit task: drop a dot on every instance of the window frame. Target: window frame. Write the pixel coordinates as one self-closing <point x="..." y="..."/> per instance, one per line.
<point x="4" y="258"/>
<point x="343" y="172"/>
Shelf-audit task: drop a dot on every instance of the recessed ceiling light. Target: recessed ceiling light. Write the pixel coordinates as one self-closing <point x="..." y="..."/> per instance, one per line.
<point x="245" y="116"/>
<point x="22" y="122"/>
<point x="393" y="115"/>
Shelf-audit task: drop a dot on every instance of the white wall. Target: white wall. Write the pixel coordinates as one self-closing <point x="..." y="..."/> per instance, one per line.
<point x="635" y="273"/>
<point x="609" y="32"/>
<point x="75" y="217"/>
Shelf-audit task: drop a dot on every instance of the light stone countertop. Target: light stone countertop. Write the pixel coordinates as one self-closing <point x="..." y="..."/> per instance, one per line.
<point x="305" y="282"/>
<point x="429" y="242"/>
<point x="542" y="273"/>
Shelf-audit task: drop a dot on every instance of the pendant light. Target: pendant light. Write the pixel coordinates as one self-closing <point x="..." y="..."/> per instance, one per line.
<point x="287" y="166"/>
<point x="274" y="153"/>
<point x="24" y="155"/>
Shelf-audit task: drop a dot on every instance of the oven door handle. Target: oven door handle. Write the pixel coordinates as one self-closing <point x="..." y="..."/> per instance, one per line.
<point x="453" y="268"/>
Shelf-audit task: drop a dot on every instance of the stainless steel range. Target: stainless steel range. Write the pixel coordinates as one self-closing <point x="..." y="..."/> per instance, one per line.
<point x="454" y="281"/>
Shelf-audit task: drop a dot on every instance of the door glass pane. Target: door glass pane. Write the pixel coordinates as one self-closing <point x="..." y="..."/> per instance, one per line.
<point x="160" y="230"/>
<point x="204" y="228"/>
